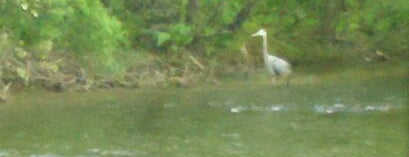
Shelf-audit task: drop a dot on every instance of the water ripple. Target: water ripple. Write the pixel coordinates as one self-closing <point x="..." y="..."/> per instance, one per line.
<point x="338" y="107"/>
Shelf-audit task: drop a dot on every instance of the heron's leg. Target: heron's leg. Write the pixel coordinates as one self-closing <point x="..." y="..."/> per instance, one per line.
<point x="287" y="80"/>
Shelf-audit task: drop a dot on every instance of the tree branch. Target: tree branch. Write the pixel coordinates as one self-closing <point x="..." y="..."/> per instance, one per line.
<point x="242" y="16"/>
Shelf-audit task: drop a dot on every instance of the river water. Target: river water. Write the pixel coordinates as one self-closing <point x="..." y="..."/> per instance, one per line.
<point x="364" y="117"/>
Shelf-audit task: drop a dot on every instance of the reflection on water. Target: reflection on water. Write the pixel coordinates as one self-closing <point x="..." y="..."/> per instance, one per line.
<point x="247" y="120"/>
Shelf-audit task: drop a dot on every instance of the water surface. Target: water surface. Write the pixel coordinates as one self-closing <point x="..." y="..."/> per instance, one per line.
<point x="354" y="118"/>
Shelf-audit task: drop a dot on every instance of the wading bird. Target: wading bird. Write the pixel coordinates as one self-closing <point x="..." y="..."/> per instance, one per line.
<point x="276" y="66"/>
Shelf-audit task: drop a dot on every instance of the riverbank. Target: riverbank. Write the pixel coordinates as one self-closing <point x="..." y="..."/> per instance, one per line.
<point x="301" y="76"/>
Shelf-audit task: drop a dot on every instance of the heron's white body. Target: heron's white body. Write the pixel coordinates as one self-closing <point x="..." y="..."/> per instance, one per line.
<point x="275" y="65"/>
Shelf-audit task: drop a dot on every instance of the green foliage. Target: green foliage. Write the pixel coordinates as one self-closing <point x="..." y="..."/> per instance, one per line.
<point x="182" y="34"/>
<point x="162" y="37"/>
<point x="91" y="31"/>
<point x="24" y="74"/>
<point x="82" y="27"/>
<point x="107" y="35"/>
<point x="178" y="35"/>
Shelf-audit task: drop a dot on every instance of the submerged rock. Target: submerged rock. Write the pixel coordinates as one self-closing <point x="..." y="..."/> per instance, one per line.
<point x="237" y="109"/>
<point x="276" y="108"/>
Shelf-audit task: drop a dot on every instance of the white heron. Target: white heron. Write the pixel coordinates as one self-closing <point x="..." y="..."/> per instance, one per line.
<point x="276" y="66"/>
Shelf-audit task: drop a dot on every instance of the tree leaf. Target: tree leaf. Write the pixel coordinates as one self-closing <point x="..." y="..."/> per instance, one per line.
<point x="20" y="53"/>
<point x="24" y="74"/>
<point x="162" y="37"/>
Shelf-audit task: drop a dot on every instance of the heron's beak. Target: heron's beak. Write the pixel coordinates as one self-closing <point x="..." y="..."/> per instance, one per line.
<point x="254" y="35"/>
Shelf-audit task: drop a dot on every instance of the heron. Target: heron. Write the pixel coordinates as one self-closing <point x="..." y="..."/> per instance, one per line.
<point x="275" y="65"/>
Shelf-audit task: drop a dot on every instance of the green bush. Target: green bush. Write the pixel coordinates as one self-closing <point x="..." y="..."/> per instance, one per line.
<point x="108" y="36"/>
<point x="82" y="27"/>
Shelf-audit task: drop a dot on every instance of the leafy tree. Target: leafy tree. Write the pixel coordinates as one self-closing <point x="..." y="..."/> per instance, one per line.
<point x="81" y="27"/>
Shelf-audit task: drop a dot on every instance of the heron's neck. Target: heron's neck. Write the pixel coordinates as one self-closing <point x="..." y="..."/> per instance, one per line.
<point x="265" y="50"/>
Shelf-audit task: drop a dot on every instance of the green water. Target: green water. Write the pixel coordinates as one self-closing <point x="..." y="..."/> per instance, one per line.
<point x="236" y="118"/>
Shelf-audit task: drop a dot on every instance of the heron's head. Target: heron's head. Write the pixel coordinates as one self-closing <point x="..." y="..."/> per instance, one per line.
<point x="260" y="32"/>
